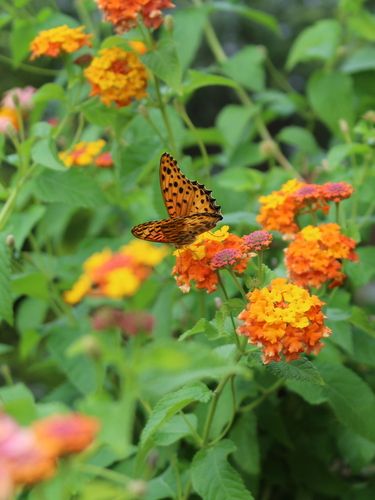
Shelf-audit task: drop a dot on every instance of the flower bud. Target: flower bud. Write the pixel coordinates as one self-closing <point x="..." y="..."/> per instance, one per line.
<point x="268" y="148"/>
<point x="10" y="241"/>
<point x="168" y="23"/>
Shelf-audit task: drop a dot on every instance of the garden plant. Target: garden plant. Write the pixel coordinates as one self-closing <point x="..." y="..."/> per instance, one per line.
<point x="187" y="259"/>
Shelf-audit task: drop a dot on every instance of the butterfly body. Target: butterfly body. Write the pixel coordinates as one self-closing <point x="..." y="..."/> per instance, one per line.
<point x="190" y="206"/>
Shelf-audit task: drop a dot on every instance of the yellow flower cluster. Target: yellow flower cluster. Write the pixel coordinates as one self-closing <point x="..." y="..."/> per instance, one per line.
<point x="116" y="274"/>
<point x="83" y="153"/>
<point x="59" y="40"/>
<point x="117" y="76"/>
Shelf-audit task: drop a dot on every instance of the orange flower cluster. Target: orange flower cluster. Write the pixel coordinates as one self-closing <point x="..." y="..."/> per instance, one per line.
<point x="280" y="208"/>
<point x="29" y="455"/>
<point x="285" y="320"/>
<point x="82" y="154"/>
<point x="56" y="41"/>
<point x="314" y="256"/>
<point x="123" y="15"/>
<point x="116" y="274"/>
<point x="211" y="251"/>
<point x="117" y="76"/>
<point x="104" y="160"/>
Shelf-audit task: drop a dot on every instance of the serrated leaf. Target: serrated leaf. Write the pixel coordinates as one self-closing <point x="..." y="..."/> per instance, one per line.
<point x="188" y="25"/>
<point x="312" y="393"/>
<point x="71" y="187"/>
<point x="172" y="403"/>
<point x="175" y="429"/>
<point x="350" y="397"/>
<point x="319" y="41"/>
<point x="245" y="436"/>
<point x="49" y="92"/>
<point x="360" y="319"/>
<point x="214" y="478"/>
<point x="299" y="369"/>
<point x="202" y="326"/>
<point x="300" y="138"/>
<point x="6" y="300"/>
<point x="18" y="401"/>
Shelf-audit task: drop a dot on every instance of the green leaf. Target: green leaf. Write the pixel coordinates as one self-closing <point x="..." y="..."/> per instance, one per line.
<point x="175" y="429"/>
<point x="171" y="404"/>
<point x="202" y="326"/>
<point x="300" y="369"/>
<point x="214" y="478"/>
<point x="363" y="24"/>
<point x="337" y="154"/>
<point x="246" y="68"/>
<point x="44" y="153"/>
<point x="332" y="98"/>
<point x="361" y="320"/>
<point x="312" y="393"/>
<point x="71" y="187"/>
<point x="21" y="224"/>
<point x="362" y="60"/>
<point x="24" y="30"/>
<point x="33" y="284"/>
<point x="255" y="15"/>
<point x="245" y="436"/>
<point x="317" y="42"/>
<point x="351" y="399"/>
<point x="196" y="80"/>
<point x="6" y="300"/>
<point x="165" y="64"/>
<point x="300" y="138"/>
<point x="18" y="402"/>
<point x="232" y="122"/>
<point x="356" y="450"/>
<point x="49" y="92"/>
<point x="187" y="32"/>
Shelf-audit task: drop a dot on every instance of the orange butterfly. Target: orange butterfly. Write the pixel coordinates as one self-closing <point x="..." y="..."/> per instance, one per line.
<point x="191" y="208"/>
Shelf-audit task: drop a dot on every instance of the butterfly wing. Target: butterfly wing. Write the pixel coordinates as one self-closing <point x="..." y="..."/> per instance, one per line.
<point x="183" y="197"/>
<point x="179" y="231"/>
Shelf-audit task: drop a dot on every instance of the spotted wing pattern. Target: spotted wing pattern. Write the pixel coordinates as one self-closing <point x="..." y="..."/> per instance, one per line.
<point x="190" y="206"/>
<point x="181" y="195"/>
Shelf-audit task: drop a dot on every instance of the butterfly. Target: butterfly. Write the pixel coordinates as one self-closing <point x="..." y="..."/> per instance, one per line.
<point x="190" y="206"/>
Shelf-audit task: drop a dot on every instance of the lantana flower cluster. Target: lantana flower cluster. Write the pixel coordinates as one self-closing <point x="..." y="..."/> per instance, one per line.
<point x="29" y="454"/>
<point x="87" y="153"/>
<point x="211" y="251"/>
<point x="123" y="14"/>
<point x="59" y="40"/>
<point x="117" y="76"/>
<point x="284" y="319"/>
<point x="116" y="274"/>
<point x="280" y="209"/>
<point x="315" y="255"/>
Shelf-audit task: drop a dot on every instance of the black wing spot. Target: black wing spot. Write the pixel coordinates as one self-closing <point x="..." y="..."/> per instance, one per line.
<point x="175" y="184"/>
<point x="180" y="190"/>
<point x="168" y="170"/>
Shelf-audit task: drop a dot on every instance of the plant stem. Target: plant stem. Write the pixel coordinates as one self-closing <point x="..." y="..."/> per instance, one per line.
<point x="172" y="143"/>
<point x="264" y="396"/>
<point x="237" y="283"/>
<point x="236" y="339"/>
<point x="180" y="107"/>
<point x="221" y="57"/>
<point x="29" y="68"/>
<point x="109" y="474"/>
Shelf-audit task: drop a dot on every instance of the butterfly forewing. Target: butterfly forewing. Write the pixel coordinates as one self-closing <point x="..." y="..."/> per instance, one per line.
<point x="190" y="206"/>
<point x="182" y="196"/>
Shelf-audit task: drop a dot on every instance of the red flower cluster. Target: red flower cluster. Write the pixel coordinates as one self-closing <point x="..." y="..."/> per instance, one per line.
<point x="123" y="14"/>
<point x="130" y="323"/>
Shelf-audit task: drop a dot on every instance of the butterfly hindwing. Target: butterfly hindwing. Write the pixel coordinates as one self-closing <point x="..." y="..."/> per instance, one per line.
<point x="179" y="231"/>
<point x="182" y="196"/>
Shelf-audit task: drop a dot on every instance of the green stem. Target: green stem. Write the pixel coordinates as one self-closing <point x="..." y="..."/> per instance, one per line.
<point x="212" y="409"/>
<point x="162" y="107"/>
<point x="104" y="473"/>
<point x="229" y="424"/>
<point x="194" y="433"/>
<point x="237" y="283"/>
<point x="221" y="57"/>
<point x="29" y="68"/>
<point x="8" y="206"/>
<point x="236" y="339"/>
<point x="77" y="135"/>
<point x="179" y="105"/>
<point x="267" y="392"/>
